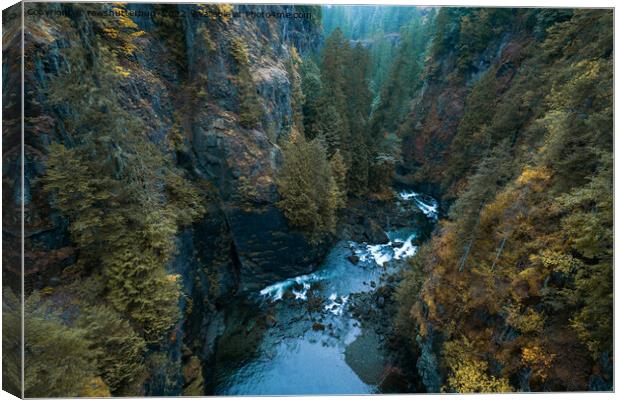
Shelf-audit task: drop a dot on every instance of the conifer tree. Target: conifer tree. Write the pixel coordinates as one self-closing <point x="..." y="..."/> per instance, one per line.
<point x="339" y="172"/>
<point x="312" y="89"/>
<point x="310" y="193"/>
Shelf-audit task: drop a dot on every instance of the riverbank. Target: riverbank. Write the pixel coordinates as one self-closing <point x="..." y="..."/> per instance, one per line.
<point x="377" y="312"/>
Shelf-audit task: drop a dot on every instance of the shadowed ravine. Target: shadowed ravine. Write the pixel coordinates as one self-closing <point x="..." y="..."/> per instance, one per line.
<point x="307" y="340"/>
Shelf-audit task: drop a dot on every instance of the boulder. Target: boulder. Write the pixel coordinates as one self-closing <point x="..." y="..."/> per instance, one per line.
<point x="317" y="326"/>
<point x="354" y="259"/>
<point x="374" y="233"/>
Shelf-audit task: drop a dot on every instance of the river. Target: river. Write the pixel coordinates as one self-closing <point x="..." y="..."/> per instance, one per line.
<point x="299" y="337"/>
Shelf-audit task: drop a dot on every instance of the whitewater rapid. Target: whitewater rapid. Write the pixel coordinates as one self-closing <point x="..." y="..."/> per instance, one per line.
<point x="400" y="247"/>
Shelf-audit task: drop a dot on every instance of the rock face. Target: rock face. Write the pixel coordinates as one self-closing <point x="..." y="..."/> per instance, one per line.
<point x="244" y="242"/>
<point x="438" y="107"/>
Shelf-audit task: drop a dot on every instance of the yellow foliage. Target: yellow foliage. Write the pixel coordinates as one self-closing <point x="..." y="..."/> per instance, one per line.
<point x="206" y="36"/>
<point x="111" y="33"/>
<point x="239" y="51"/>
<point x="221" y="12"/>
<point x="539" y="360"/>
<point x="121" y="71"/>
<point x="455" y="351"/>
<point x="124" y="20"/>
<point x="46" y="291"/>
<point x="532" y="277"/>
<point x="96" y="387"/>
<point x="554" y="261"/>
<point x="531" y="176"/>
<point x="528" y="322"/>
<point x="295" y="57"/>
<point x="471" y="377"/>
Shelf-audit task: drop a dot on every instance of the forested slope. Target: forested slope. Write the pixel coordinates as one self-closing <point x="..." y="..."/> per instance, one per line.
<point x="513" y="125"/>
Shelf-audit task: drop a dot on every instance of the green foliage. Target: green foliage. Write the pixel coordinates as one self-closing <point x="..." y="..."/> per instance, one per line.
<point x="163" y="374"/>
<point x="466" y="32"/>
<point x="403" y="78"/>
<point x="239" y="52"/>
<point x="519" y="277"/>
<point x="169" y="27"/>
<point x="250" y="109"/>
<point x="297" y="94"/>
<point x="473" y="138"/>
<point x="379" y="27"/>
<point x="336" y="127"/>
<point x="579" y="115"/>
<point x="589" y="225"/>
<point x="478" y="27"/>
<point x="11" y="342"/>
<point x="122" y="195"/>
<point x="330" y="127"/>
<point x="59" y="361"/>
<point x="118" y="349"/>
<point x="339" y="172"/>
<point x="336" y="108"/>
<point x="382" y="167"/>
<point x="309" y="191"/>
<point x="312" y="88"/>
<point x="316" y="12"/>
<point x="125" y="230"/>
<point x="407" y="295"/>
<point x="360" y="164"/>
<point x="339" y="115"/>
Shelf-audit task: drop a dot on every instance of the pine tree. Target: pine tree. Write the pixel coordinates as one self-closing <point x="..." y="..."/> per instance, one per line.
<point x="333" y="77"/>
<point x="312" y="89"/>
<point x="339" y="172"/>
<point x="59" y="360"/>
<point x="310" y="193"/>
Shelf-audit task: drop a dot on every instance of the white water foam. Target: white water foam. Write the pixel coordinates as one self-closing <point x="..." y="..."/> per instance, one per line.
<point x="408" y="249"/>
<point x="382" y="253"/>
<point x="336" y="305"/>
<point x="276" y="291"/>
<point x="426" y="204"/>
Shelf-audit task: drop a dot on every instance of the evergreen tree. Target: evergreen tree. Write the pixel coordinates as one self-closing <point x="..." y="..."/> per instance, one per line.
<point x="312" y="88"/>
<point x="309" y="191"/>
<point x="58" y="358"/>
<point x="334" y="82"/>
<point x="339" y="172"/>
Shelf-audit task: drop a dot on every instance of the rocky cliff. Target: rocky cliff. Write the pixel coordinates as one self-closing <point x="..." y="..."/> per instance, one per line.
<point x="182" y="77"/>
<point x="454" y="67"/>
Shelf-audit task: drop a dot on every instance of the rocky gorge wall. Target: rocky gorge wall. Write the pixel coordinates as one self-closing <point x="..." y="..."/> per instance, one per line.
<point x="182" y="79"/>
<point x="439" y="105"/>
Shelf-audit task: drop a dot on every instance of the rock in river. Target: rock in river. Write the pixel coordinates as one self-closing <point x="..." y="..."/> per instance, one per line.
<point x="353" y="259"/>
